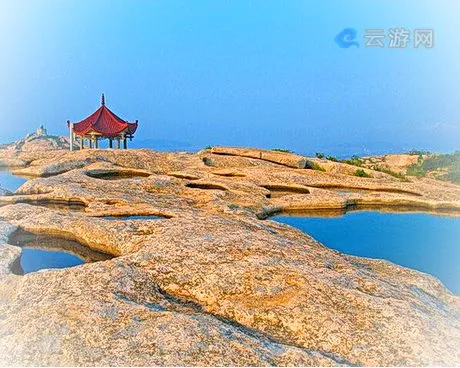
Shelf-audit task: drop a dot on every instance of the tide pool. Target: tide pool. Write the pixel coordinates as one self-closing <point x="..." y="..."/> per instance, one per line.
<point x="9" y="181"/>
<point x="424" y="242"/>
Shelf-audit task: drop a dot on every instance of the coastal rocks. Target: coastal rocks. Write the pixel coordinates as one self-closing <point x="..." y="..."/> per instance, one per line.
<point x="112" y="314"/>
<point x="261" y="280"/>
<point x="63" y="166"/>
<point x="334" y="167"/>
<point x="285" y="189"/>
<point x="12" y="162"/>
<point x="57" y="162"/>
<point x="168" y="190"/>
<point x="9" y="261"/>
<point x="229" y="173"/>
<point x="208" y="161"/>
<point x="282" y="158"/>
<point x="8" y="256"/>
<point x="397" y="163"/>
<point x="39" y="141"/>
<point x="117" y="174"/>
<point x="211" y="283"/>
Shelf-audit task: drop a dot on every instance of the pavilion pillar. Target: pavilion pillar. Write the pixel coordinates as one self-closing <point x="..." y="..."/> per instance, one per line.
<point x="110" y="143"/>
<point x="125" y="143"/>
<point x="96" y="142"/>
<point x="90" y="142"/>
<point x="118" y="142"/>
<point x="81" y="143"/>
<point x="71" y="135"/>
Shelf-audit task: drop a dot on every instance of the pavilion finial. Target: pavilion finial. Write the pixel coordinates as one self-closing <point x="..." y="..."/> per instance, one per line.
<point x="103" y="100"/>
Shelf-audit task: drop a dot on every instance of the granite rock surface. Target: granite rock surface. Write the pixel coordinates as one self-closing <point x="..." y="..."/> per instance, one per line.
<point x="213" y="281"/>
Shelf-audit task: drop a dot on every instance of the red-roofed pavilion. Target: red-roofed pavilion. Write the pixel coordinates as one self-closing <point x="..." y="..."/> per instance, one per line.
<point x="102" y="124"/>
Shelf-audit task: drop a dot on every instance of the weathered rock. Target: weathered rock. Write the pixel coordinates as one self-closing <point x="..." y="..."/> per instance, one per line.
<point x="12" y="162"/>
<point x="282" y="158"/>
<point x="39" y="141"/>
<point x="397" y="163"/>
<point x="210" y="283"/>
<point x="334" y="167"/>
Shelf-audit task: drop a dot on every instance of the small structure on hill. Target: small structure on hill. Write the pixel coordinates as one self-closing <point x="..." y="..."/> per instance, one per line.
<point x="41" y="131"/>
<point x="102" y="124"/>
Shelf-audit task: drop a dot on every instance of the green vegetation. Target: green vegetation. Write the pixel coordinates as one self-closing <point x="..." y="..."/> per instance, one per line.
<point x="282" y="150"/>
<point x="441" y="161"/>
<point x="332" y="158"/>
<point x="418" y="152"/>
<point x="362" y="174"/>
<point x="208" y="147"/>
<point x="443" y="167"/>
<point x="395" y="174"/>
<point x="454" y="177"/>
<point x="354" y="160"/>
<point x="357" y="161"/>
<point x="439" y="166"/>
<point x="314" y="166"/>
<point x="415" y="170"/>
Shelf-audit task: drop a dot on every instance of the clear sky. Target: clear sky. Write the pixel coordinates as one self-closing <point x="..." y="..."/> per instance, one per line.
<point x="244" y="73"/>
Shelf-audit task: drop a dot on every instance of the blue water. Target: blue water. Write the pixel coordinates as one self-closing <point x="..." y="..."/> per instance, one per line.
<point x="10" y="181"/>
<point x="40" y="251"/>
<point x="38" y="259"/>
<point x="424" y="242"/>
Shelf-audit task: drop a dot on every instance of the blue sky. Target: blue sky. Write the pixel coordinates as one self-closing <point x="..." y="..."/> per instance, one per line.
<point x="242" y="73"/>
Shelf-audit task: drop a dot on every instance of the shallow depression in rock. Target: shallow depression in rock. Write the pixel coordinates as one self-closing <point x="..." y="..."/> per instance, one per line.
<point x="116" y="175"/>
<point x="47" y="252"/>
<point x="425" y="242"/>
<point x="57" y="205"/>
<point x="134" y="217"/>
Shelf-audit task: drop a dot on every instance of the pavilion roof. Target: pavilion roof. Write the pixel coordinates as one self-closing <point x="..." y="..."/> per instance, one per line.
<point x="104" y="122"/>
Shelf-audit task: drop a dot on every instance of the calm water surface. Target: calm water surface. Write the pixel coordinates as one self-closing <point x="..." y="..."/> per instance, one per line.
<point x="38" y="259"/>
<point x="10" y="181"/>
<point x="46" y="252"/>
<point x="424" y="242"/>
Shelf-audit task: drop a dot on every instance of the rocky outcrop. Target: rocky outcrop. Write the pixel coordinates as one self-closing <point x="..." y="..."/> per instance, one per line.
<point x="39" y="141"/>
<point x="397" y="162"/>
<point x="282" y="158"/>
<point x="210" y="283"/>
